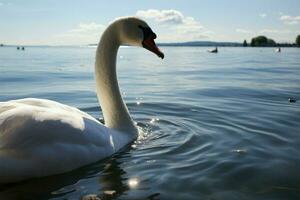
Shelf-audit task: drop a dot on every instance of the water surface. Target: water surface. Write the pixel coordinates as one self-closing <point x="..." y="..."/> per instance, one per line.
<point x="215" y="126"/>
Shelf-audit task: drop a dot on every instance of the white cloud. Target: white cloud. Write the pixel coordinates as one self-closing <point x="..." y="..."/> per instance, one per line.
<point x="1" y="4"/>
<point x="279" y="35"/>
<point x="173" y="26"/>
<point x="84" y="33"/>
<point x="241" y="30"/>
<point x="287" y="19"/>
<point x="170" y="26"/>
<point x="83" y="28"/>
<point x="269" y="31"/>
<point x="281" y="31"/>
<point x="263" y="15"/>
<point x="163" y="16"/>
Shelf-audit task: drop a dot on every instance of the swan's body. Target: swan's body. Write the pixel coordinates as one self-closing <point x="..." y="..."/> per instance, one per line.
<point x="41" y="137"/>
<point x="278" y="50"/>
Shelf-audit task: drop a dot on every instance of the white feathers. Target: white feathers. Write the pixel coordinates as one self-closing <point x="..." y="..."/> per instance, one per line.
<point x="40" y="137"/>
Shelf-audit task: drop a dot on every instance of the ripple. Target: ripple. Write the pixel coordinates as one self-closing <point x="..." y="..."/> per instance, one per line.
<point x="210" y="126"/>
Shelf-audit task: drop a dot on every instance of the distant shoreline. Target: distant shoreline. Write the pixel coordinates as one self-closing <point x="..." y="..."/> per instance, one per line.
<point x="202" y="44"/>
<point x="179" y="44"/>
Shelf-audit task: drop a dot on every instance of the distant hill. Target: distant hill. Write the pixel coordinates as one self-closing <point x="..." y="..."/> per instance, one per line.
<point x="202" y="43"/>
<point x="196" y="44"/>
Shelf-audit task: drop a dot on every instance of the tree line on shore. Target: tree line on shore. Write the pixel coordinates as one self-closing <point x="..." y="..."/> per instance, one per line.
<point x="263" y="41"/>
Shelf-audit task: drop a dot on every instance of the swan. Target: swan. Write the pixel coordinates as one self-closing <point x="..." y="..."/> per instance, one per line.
<point x="40" y="137"/>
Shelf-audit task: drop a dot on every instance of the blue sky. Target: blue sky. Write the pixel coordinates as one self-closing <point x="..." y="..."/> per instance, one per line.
<point x="66" y="22"/>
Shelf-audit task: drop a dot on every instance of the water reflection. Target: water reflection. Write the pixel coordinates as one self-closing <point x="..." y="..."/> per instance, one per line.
<point x="112" y="179"/>
<point x="109" y="179"/>
<point x="42" y="188"/>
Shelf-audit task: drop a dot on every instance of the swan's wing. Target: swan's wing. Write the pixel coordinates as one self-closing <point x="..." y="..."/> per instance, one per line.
<point x="44" y="121"/>
<point x="41" y="137"/>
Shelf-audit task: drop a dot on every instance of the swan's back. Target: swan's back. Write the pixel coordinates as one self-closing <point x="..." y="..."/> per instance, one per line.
<point x="42" y="137"/>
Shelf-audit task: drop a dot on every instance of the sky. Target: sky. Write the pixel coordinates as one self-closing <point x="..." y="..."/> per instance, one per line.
<point x="79" y="22"/>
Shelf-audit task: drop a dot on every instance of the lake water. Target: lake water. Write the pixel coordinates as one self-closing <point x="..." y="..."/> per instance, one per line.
<point x="215" y="126"/>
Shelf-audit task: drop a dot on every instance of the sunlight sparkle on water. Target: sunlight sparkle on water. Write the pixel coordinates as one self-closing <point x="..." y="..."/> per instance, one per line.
<point x="133" y="182"/>
<point x="153" y="120"/>
<point x="138" y="100"/>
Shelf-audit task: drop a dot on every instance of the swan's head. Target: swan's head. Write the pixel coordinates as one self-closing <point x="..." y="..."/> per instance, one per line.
<point x="137" y="32"/>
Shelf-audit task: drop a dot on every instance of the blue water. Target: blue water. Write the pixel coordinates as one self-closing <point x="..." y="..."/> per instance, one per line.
<point x="216" y="126"/>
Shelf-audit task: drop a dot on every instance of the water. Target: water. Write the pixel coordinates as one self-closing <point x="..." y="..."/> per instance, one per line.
<point x="215" y="126"/>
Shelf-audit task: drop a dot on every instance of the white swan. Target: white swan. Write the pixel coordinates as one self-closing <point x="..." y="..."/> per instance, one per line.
<point x="41" y="137"/>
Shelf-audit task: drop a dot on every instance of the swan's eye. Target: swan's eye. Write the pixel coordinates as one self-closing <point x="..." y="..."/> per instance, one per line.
<point x="148" y="33"/>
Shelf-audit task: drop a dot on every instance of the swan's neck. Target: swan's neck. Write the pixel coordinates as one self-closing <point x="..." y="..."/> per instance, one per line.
<point x="115" y="112"/>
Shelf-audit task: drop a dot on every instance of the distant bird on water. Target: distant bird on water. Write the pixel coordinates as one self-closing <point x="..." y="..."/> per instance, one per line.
<point x="213" y="50"/>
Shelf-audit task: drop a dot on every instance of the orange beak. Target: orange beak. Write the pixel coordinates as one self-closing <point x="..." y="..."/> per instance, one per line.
<point x="151" y="46"/>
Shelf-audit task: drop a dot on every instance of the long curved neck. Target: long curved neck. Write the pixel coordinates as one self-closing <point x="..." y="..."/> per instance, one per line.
<point x="115" y="112"/>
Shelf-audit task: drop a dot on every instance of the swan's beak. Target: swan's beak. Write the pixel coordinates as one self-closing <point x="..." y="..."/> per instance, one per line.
<point x="151" y="46"/>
